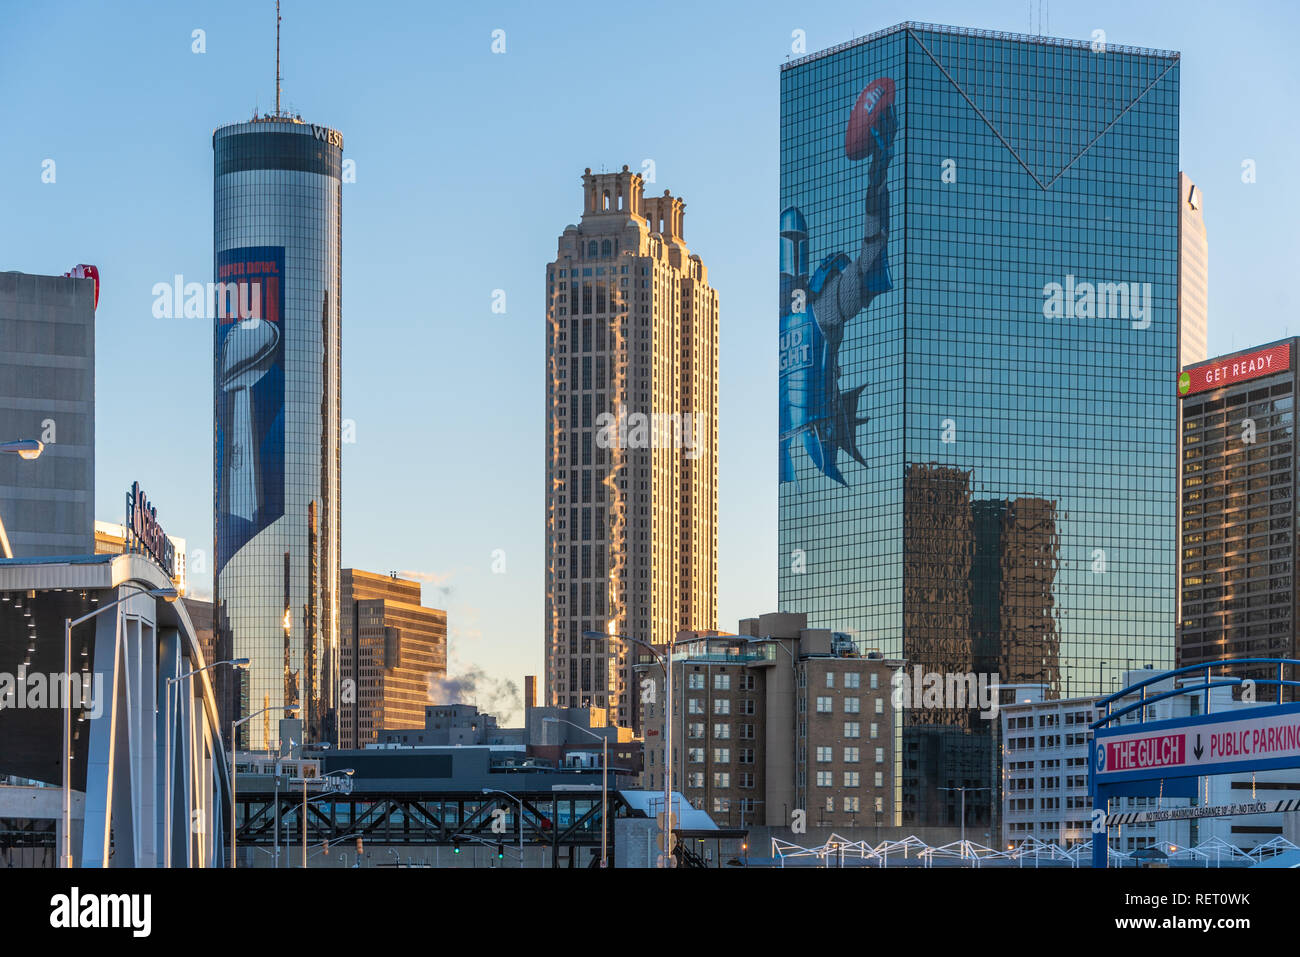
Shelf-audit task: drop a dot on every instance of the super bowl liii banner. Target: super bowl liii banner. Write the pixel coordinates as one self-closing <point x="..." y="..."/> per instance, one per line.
<point x="249" y="383"/>
<point x="818" y="419"/>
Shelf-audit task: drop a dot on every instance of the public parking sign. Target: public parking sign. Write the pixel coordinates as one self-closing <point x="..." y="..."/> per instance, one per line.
<point x="1224" y="743"/>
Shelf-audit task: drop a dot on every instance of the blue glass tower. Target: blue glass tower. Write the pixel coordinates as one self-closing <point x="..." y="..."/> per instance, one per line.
<point x="978" y="328"/>
<point x="277" y="481"/>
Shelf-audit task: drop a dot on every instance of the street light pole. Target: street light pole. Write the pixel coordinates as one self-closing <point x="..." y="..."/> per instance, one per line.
<point x="289" y="712"/>
<point x="668" y="758"/>
<point x="168" y="594"/>
<point x="963" y="791"/>
<point x="66" y="857"/>
<point x="604" y="805"/>
<point x="26" y="449"/>
<point x="666" y="662"/>
<point x="239" y="664"/>
<point x="29" y="449"/>
<point x="604" y="786"/>
<point x="167" y="777"/>
<point x="234" y="776"/>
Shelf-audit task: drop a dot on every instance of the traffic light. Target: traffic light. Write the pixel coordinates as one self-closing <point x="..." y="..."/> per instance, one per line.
<point x="455" y="846"/>
<point x="501" y="851"/>
<point x="360" y="847"/>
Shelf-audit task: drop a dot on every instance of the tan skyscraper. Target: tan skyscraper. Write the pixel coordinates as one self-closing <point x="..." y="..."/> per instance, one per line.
<point x="1193" y="275"/>
<point x="631" y="441"/>
<point x="391" y="647"/>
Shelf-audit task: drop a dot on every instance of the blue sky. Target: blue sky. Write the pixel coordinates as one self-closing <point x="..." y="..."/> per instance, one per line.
<point x="468" y="166"/>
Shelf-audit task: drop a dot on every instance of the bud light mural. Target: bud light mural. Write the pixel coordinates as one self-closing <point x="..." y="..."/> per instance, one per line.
<point x="817" y="418"/>
<point x="249" y="382"/>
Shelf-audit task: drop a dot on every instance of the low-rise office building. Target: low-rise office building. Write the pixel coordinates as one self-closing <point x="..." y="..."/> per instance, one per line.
<point x="451" y="725"/>
<point x="1045" y="793"/>
<point x="1045" y="769"/>
<point x="778" y="721"/>
<point x="391" y="649"/>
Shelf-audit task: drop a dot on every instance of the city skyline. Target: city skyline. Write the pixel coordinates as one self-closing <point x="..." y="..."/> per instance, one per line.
<point x="494" y="618"/>
<point x="750" y="437"/>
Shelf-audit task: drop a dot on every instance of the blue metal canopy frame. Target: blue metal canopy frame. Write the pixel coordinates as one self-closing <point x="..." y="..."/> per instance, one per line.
<point x="1144" y="781"/>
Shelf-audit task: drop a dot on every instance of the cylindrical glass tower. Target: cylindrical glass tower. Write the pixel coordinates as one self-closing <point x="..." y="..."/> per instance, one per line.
<point x="277" y="238"/>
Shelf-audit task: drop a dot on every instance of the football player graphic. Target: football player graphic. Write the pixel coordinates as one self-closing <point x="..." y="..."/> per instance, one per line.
<point x="814" y="414"/>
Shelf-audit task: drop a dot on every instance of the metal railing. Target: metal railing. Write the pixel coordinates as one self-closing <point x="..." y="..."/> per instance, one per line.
<point x="913" y="26"/>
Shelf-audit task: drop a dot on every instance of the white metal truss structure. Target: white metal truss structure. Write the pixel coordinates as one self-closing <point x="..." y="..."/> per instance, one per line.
<point x="1034" y="851"/>
<point x="137" y="646"/>
<point x="840" y="851"/>
<point x="1278" y="845"/>
<point x="832" y="853"/>
<point x="966" y="851"/>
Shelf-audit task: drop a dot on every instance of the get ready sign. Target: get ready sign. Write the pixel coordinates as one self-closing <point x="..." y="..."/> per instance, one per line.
<point x="1221" y="372"/>
<point x="1206" y="744"/>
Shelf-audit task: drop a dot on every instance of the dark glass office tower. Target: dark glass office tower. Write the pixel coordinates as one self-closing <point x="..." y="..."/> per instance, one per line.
<point x="978" y="325"/>
<point x="276" y="383"/>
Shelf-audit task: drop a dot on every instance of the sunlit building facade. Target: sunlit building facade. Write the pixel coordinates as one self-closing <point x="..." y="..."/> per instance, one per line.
<point x="1239" y="493"/>
<point x="631" y="441"/>
<point x="392" y="650"/>
<point x="1193" y="275"/>
<point x="277" y="443"/>
<point x="978" y="315"/>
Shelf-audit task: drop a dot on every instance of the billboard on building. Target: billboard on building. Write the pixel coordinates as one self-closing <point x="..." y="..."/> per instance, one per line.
<point x="249" y="383"/>
<point x="1242" y="368"/>
<point x="820" y="415"/>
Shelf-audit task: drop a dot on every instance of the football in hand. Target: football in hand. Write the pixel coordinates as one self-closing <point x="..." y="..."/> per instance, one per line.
<point x="867" y="113"/>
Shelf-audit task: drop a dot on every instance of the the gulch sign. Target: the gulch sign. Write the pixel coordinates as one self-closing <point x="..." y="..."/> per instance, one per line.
<point x="1209" y="744"/>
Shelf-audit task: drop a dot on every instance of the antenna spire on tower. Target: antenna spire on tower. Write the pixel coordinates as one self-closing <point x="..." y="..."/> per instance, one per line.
<point x="277" y="57"/>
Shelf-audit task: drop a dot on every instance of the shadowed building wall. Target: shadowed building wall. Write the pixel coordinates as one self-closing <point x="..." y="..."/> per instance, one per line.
<point x="47" y="392"/>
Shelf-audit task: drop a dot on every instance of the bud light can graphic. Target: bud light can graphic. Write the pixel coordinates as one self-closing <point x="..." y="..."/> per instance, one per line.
<point x="802" y="387"/>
